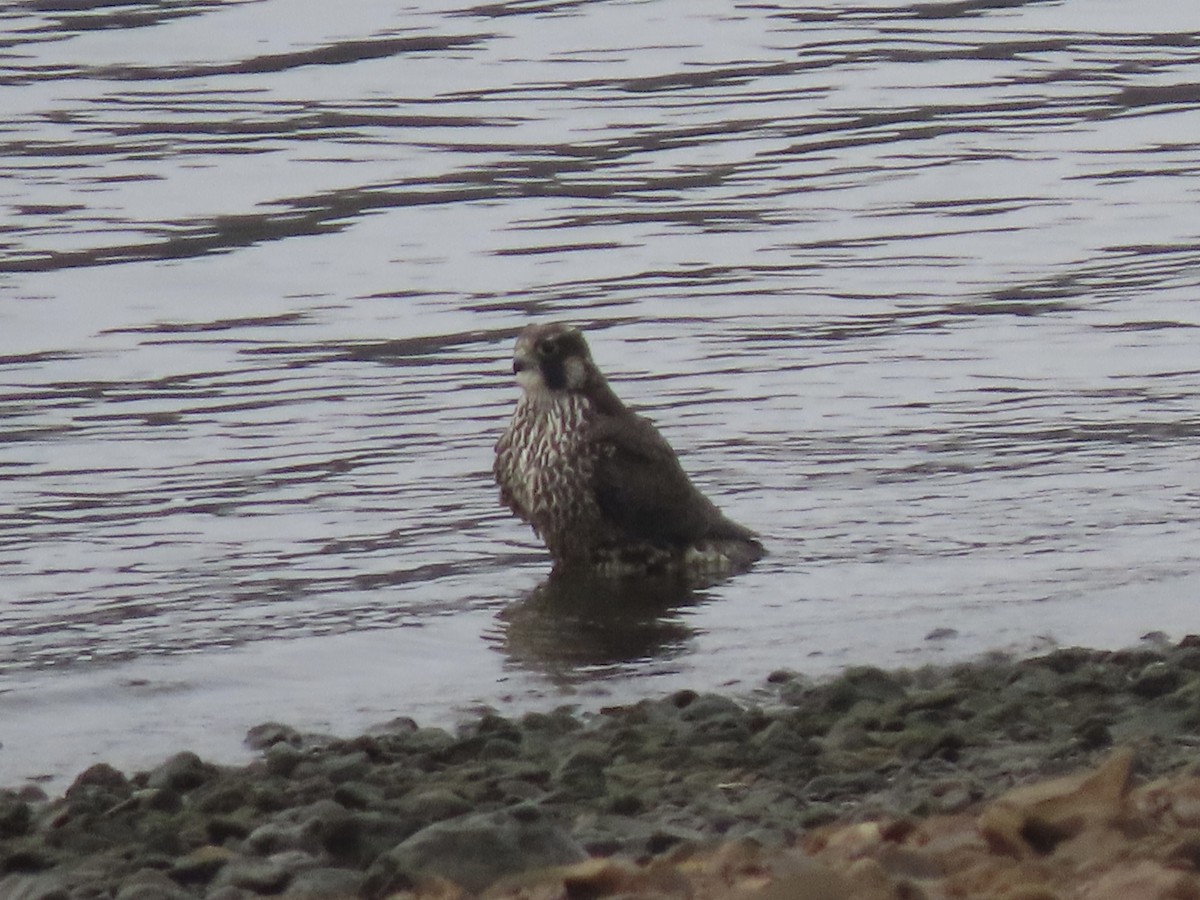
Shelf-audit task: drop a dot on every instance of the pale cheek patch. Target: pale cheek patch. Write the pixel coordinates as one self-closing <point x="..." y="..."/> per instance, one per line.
<point x="576" y="373"/>
<point x="530" y="379"/>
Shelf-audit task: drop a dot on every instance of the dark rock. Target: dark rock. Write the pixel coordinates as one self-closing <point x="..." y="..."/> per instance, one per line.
<point x="1155" y="680"/>
<point x="433" y="742"/>
<point x="265" y="876"/>
<point x="367" y="836"/>
<point x="97" y="790"/>
<point x="274" y="837"/>
<point x="150" y="884"/>
<point x="101" y="775"/>
<point x="708" y="706"/>
<point x="152" y="892"/>
<point x="16" y="816"/>
<point x="497" y="727"/>
<point x="498" y="748"/>
<point x="857" y="684"/>
<point x="323" y="884"/>
<point x="558" y="723"/>
<point x="183" y="772"/>
<point x="26" y="855"/>
<point x="202" y="864"/>
<point x="219" y="829"/>
<point x="324" y="826"/>
<point x="48" y="886"/>
<point x="347" y="767"/>
<point x="163" y="800"/>
<point x="922" y="743"/>
<point x="779" y="739"/>
<point x="477" y="849"/>
<point x="625" y="804"/>
<point x="1065" y="660"/>
<point x="1093" y="734"/>
<point x="425" y="807"/>
<point x="370" y="745"/>
<point x="401" y="726"/>
<point x="229" y="892"/>
<point x="224" y="797"/>
<point x="682" y="699"/>
<point x="282" y="758"/>
<point x="311" y="817"/>
<point x="581" y="774"/>
<point x="357" y="795"/>
<point x="260" y="737"/>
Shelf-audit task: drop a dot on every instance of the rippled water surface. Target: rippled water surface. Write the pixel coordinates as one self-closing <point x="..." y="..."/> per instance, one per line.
<point x="913" y="289"/>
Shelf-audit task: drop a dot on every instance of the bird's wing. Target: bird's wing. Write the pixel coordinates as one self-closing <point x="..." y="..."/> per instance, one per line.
<point x="641" y="488"/>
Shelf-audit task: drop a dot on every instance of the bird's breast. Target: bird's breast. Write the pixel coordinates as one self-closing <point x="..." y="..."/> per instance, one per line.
<point x="546" y="464"/>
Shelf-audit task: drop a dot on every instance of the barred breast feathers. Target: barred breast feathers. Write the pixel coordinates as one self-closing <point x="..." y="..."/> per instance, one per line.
<point x="598" y="483"/>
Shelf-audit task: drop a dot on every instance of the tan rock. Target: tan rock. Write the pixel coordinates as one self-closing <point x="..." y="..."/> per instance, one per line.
<point x="1034" y="819"/>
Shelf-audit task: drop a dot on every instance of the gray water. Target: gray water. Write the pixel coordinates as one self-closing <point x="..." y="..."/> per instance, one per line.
<point x="912" y="288"/>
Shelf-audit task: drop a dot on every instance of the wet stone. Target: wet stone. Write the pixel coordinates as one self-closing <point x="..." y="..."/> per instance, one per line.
<point x="709" y="706"/>
<point x="347" y="768"/>
<point x="1155" y="680"/>
<point x="426" y="807"/>
<point x="260" y="737"/>
<point x="265" y="876"/>
<point x="220" y="829"/>
<point x="101" y="775"/>
<point x="160" y="800"/>
<point x="474" y="851"/>
<point x="150" y="884"/>
<point x="582" y="773"/>
<point x="224" y="798"/>
<point x="634" y="781"/>
<point x="323" y="884"/>
<point x="181" y="773"/>
<point x="26" y="855"/>
<point x="16" y="817"/>
<point x="1093" y="734"/>
<point x="201" y="865"/>
<point x="357" y="795"/>
<point x="282" y="758"/>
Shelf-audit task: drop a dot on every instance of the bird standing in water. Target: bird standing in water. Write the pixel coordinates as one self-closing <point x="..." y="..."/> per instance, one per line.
<point x="597" y="482"/>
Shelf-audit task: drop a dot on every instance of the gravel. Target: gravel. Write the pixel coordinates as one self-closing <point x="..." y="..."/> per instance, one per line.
<point x="373" y="815"/>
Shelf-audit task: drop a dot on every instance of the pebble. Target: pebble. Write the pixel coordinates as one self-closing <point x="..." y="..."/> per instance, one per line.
<point x="317" y="816"/>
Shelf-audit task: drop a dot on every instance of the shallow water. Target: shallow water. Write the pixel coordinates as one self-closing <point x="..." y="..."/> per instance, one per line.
<point x="911" y="287"/>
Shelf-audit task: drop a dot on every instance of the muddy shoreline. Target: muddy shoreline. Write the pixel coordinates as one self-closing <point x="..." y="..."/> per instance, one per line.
<point x="404" y="806"/>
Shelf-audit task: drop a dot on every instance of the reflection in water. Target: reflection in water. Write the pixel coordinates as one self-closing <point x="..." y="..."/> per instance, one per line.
<point x="916" y="283"/>
<point x="575" y="627"/>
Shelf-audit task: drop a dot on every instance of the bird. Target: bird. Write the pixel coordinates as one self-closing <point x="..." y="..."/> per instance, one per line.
<point x="602" y="488"/>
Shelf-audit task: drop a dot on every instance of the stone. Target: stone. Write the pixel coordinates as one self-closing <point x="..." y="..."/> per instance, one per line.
<point x="475" y="850"/>
<point x="433" y="805"/>
<point x="181" y="773"/>
<point x="202" y="864"/>
<point x="581" y="774"/>
<point x="150" y="884"/>
<point x="16" y="816"/>
<point x="325" y="884"/>
<point x="260" y="737"/>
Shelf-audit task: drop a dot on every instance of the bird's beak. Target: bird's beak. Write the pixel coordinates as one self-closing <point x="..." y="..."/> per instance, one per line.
<point x="526" y="369"/>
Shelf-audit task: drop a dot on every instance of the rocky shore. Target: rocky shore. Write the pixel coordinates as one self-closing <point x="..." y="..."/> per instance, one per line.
<point x="872" y="784"/>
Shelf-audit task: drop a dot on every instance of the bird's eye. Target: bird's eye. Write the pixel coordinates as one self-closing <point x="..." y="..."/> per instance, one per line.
<point x="546" y="347"/>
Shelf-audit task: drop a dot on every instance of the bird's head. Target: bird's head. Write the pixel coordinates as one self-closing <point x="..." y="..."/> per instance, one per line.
<point x="553" y="357"/>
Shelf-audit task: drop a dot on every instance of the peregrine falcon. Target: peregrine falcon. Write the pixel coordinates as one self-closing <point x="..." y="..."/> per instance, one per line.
<point x="598" y="483"/>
